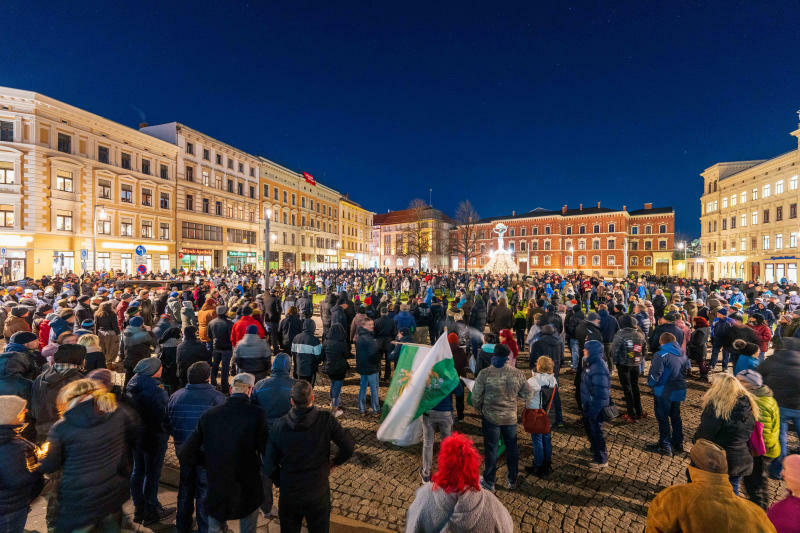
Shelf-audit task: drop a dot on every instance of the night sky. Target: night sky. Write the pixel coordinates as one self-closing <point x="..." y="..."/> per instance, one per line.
<point x="512" y="106"/>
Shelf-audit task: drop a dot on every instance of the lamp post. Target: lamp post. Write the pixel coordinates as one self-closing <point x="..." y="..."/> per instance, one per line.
<point x="572" y="261"/>
<point x="94" y="232"/>
<point x="267" y="216"/>
<point x="682" y="246"/>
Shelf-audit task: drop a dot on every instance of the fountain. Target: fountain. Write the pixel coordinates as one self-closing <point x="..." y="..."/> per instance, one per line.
<point x="501" y="261"/>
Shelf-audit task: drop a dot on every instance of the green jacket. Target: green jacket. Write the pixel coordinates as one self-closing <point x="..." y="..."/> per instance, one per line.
<point x="495" y="394"/>
<point x="770" y="417"/>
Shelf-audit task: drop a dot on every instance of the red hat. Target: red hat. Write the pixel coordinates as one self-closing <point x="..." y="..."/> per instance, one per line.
<point x="452" y="338"/>
<point x="700" y="322"/>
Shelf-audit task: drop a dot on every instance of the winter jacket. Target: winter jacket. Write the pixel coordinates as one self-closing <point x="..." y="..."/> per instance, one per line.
<point x="188" y="316"/>
<point x="706" y="504"/>
<point x="219" y="333"/>
<point x="501" y="317"/>
<point x="477" y="317"/>
<point x="14" y="367"/>
<point x="403" y="319"/>
<point x="44" y="392"/>
<point x="339" y="316"/>
<point x="14" y="324"/>
<point x="698" y="344"/>
<point x="537" y="382"/>
<point x="385" y="328"/>
<point x="549" y="345"/>
<point x="732" y="435"/>
<point x="288" y="329"/>
<point x="769" y="415"/>
<point x="335" y="352"/>
<point x="240" y="328"/>
<point x="174" y="309"/>
<point x="628" y="347"/>
<point x="472" y="510"/>
<point x="368" y="359"/>
<point x="92" y="449"/>
<point x="187" y="405"/>
<point x="94" y="359"/>
<point x="305" y="305"/>
<point x="608" y="326"/>
<point x="495" y="394"/>
<point x="667" y="327"/>
<point x="667" y="373"/>
<point x="595" y="385"/>
<point x="204" y="318"/>
<point x="764" y="334"/>
<point x="189" y="352"/>
<point x="229" y="440"/>
<point x="147" y="311"/>
<point x="135" y="344"/>
<point x="18" y="486"/>
<point x="31" y="359"/>
<point x="82" y="312"/>
<point x="325" y="310"/>
<point x="587" y="331"/>
<point x="745" y="362"/>
<point x="148" y="397"/>
<point x="272" y="394"/>
<point x="307" y="350"/>
<point x="298" y="457"/>
<point x="252" y="355"/>
<point x="781" y="373"/>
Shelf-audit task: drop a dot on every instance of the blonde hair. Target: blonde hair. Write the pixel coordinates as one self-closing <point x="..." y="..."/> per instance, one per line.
<point x="544" y="365"/>
<point x="89" y="340"/>
<point x="77" y="391"/>
<point x="725" y="391"/>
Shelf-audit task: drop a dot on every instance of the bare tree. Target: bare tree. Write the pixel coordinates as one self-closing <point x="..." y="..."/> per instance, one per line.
<point x="465" y="245"/>
<point x="416" y="236"/>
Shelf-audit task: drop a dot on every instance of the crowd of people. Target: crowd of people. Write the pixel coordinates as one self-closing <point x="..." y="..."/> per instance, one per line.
<point x="99" y="371"/>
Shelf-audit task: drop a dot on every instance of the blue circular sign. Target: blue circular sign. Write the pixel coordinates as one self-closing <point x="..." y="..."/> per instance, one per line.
<point x="140" y="250"/>
<point x="142" y="269"/>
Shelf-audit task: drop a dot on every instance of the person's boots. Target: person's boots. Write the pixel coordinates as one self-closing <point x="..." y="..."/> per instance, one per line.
<point x="547" y="468"/>
<point x="532" y="469"/>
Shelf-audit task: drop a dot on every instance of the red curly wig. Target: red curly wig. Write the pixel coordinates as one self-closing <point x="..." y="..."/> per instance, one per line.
<point x="459" y="465"/>
<point x="510" y="342"/>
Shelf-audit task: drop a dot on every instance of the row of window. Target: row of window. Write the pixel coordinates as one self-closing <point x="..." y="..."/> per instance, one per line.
<point x="596" y="228"/>
<point x="320" y="225"/>
<point x="290" y="239"/>
<point x="320" y="208"/>
<point x="765" y="218"/>
<point x="766" y="191"/>
<point x="64" y="222"/>
<point x="219" y="158"/>
<point x="766" y="241"/>
<point x="105" y="191"/>
<point x="227" y="210"/>
<point x="231" y="186"/>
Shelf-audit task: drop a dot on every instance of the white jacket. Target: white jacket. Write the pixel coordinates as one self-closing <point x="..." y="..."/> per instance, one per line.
<point x="536" y="383"/>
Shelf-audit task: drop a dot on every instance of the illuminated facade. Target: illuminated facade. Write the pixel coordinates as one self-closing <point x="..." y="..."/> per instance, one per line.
<point x="355" y="227"/>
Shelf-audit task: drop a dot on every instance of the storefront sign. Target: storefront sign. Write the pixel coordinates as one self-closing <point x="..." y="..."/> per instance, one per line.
<point x="195" y="251"/>
<point x="777" y="258"/>
<point x="241" y="254"/>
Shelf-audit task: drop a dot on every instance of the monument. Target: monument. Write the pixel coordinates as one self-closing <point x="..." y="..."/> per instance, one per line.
<point x="501" y="261"/>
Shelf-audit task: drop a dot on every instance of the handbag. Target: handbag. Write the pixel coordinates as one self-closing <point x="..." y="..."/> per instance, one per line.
<point x="610" y="412"/>
<point x="756" y="441"/>
<point x="536" y="421"/>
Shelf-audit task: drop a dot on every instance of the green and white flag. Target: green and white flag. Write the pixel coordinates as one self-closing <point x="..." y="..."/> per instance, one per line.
<point x="424" y="376"/>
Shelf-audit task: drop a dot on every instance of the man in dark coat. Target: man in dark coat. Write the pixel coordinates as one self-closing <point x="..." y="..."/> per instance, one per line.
<point x="595" y="394"/>
<point x="659" y="304"/>
<point x="325" y="313"/>
<point x="44" y="391"/>
<point x="135" y="344"/>
<point x="190" y="351"/>
<point x="298" y="459"/>
<point x="368" y="365"/>
<point x="219" y="333"/>
<point x="272" y="317"/>
<point x="230" y="440"/>
<point x="307" y="352"/>
<point x="666" y="324"/>
<point x="385" y="333"/>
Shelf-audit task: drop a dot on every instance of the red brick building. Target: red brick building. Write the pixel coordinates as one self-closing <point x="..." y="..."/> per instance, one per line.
<point x="609" y="242"/>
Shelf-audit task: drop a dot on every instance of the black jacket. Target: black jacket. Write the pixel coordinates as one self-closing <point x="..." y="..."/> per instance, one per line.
<point x="781" y="373"/>
<point x="18" y="486"/>
<point x="325" y="309"/>
<point x="288" y="329"/>
<point x="501" y="317"/>
<point x="298" y="454"/>
<point x="219" y="333"/>
<point x="335" y="351"/>
<point x="368" y="359"/>
<point x="549" y="345"/>
<point x="190" y="351"/>
<point x="44" y="392"/>
<point x="307" y="350"/>
<point x="91" y="448"/>
<point x="697" y="346"/>
<point x="229" y="440"/>
<point x="339" y="316"/>
<point x="149" y="399"/>
<point x="272" y="309"/>
<point x="667" y="327"/>
<point x="731" y="434"/>
<point x="14" y="367"/>
<point x="385" y="328"/>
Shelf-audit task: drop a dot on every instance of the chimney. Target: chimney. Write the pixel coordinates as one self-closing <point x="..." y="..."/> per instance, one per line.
<point x="598" y="204"/>
<point x="143" y="125"/>
<point x="623" y="208"/>
<point x="580" y="207"/>
<point x="564" y="209"/>
<point x="648" y="206"/>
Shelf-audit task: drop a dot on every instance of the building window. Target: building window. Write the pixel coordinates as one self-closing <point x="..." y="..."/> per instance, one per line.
<point x="189" y="202"/>
<point x="125" y="161"/>
<point x="634" y="230"/>
<point x="6" y="216"/>
<point x="534" y="245"/>
<point x="163" y="231"/>
<point x="744" y="220"/>
<point x="611" y="228"/>
<point x="724" y="223"/>
<point x="190" y="148"/>
<point x="230" y="163"/>
<point x="126" y="228"/>
<point x="218" y="209"/>
<point x="145" y="166"/>
<point x="595" y="244"/>
<point x="792" y="210"/>
<point x="596" y="228"/>
<point x="6" y="131"/>
<point x="64" y="181"/>
<point x="634" y="261"/>
<point x="230" y="185"/>
<point x="294" y="199"/>
<point x="778" y="240"/>
<point x="743" y="197"/>
<point x="765" y="243"/>
<point x="755" y="194"/>
<point x="724" y="202"/>
<point x="219" y="159"/>
<point x="203" y="232"/>
<point x="189" y="173"/>
<point x="252" y="172"/>
<point x="206" y="206"/>
<point x="164" y="172"/>
<point x="779" y="213"/>
<point x="103" y="227"/>
<point x="102" y="154"/>
<point x="634" y="245"/>
<point x="103" y="261"/>
<point x="582" y="244"/>
<point x="765" y="218"/>
<point x="793" y="183"/>
<point x="147" y="197"/>
<point x="792" y="240"/>
<point x="104" y="189"/>
<point x="662" y="245"/>
<point x="662" y="228"/>
<point x="569" y="230"/>
<point x="547" y="244"/>
<point x="755" y="218"/>
<point x="240" y="189"/>
<point x="127" y="194"/>
<point x="648" y="245"/>
<point x="743" y="243"/>
<point x="535" y="230"/>
<point x="164" y="200"/>
<point x="522" y="246"/>
<point x="733" y="200"/>
<point x="611" y="244"/>
<point x="275" y="194"/>
<point x="610" y="260"/>
<point x="648" y="261"/>
<point x="595" y="260"/>
<point x="7" y="173"/>
<point x="206" y="155"/>
<point x="64" y="143"/>
<point x="765" y="191"/>
<point x="252" y="192"/>
<point x="147" y="229"/>
<point x="779" y="187"/>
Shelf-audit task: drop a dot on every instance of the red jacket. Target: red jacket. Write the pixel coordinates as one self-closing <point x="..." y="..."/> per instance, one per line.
<point x="121" y="308"/>
<point x="44" y="333"/>
<point x="240" y="328"/>
<point x="764" y="335"/>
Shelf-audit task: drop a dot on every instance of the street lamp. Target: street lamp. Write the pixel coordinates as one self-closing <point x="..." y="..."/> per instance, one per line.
<point x="572" y="260"/>
<point x="94" y="232"/>
<point x="682" y="246"/>
<point x="267" y="216"/>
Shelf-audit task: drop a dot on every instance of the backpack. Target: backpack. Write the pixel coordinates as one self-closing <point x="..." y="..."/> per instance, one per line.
<point x="630" y="353"/>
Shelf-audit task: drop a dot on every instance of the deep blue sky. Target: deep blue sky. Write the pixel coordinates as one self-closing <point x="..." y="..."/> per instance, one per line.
<point x="513" y="106"/>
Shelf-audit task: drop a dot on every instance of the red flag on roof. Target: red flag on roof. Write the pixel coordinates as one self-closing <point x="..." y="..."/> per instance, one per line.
<point x="309" y="178"/>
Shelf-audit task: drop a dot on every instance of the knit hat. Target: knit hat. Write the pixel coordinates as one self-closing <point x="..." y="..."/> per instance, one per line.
<point x="136" y="322"/>
<point x="198" y="373"/>
<point x="671" y="317"/>
<point x="708" y="456"/>
<point x="19" y="311"/>
<point x="791" y="473"/>
<point x="751" y="377"/>
<point x="23" y="337"/>
<point x="252" y="329"/>
<point x="134" y="305"/>
<point x="722" y="311"/>
<point x="10" y="408"/>
<point x="125" y="296"/>
<point x="173" y="294"/>
<point x="246" y="310"/>
<point x="221" y="310"/>
<point x="700" y="322"/>
<point x="104" y="376"/>
<point x="73" y="354"/>
<point x="148" y="366"/>
<point x="591" y="317"/>
<point x="66" y="313"/>
<point x="452" y="338"/>
<point x="744" y="347"/>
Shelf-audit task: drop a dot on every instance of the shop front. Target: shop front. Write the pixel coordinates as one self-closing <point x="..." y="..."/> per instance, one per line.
<point x="195" y="259"/>
<point x="288" y="260"/>
<point x="236" y="260"/>
<point x="780" y="268"/>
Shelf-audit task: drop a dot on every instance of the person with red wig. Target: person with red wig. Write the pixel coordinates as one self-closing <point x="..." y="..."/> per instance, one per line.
<point x="454" y="501"/>
<point x="507" y="338"/>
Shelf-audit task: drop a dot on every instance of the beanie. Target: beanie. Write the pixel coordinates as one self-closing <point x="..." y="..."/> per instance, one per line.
<point x="751" y="377"/>
<point x="104" y="376"/>
<point x="136" y="322"/>
<point x="221" y="310"/>
<point x="73" y="354"/>
<point x="19" y="311"/>
<point x="252" y="329"/>
<point x="198" y="372"/>
<point x="148" y="366"/>
<point x="626" y="321"/>
<point x="591" y="317"/>
<point x="173" y="294"/>
<point x="88" y="323"/>
<point x="452" y="338"/>
<point x="23" y="337"/>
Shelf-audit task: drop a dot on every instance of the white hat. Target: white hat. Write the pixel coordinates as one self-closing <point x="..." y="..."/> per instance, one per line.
<point x="10" y="408"/>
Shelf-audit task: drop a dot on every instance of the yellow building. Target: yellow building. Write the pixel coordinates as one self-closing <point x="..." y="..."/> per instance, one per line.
<point x="217" y="200"/>
<point x="749" y="222"/>
<point x="355" y="227"/>
<point x="304" y="228"/>
<point x="64" y="173"/>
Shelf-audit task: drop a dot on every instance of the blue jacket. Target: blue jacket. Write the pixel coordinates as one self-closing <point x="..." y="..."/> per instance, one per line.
<point x="667" y="372"/>
<point x="595" y="385"/>
<point x="150" y="401"/>
<point x="187" y="405"/>
<point x="272" y="394"/>
<point x="608" y="325"/>
<point x="745" y="362"/>
<point x="403" y="319"/>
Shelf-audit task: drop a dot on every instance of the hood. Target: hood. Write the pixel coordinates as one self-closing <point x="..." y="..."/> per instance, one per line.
<point x="250" y="338"/>
<point x="762" y="392"/>
<point x="85" y="415"/>
<point x="364" y="331"/>
<point x="603" y="313"/>
<point x="552" y="340"/>
<point x="280" y="365"/>
<point x="672" y="348"/>
<point x="301" y="418"/>
<point x="309" y="326"/>
<point x="14" y="364"/>
<point x="336" y="333"/>
<point x="52" y="377"/>
<point x="187" y="304"/>
<point x="466" y="509"/>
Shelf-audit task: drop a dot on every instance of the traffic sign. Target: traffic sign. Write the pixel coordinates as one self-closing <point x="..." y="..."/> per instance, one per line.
<point x="3" y="251"/>
<point x="142" y="269"/>
<point x="84" y="254"/>
<point x="140" y="250"/>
